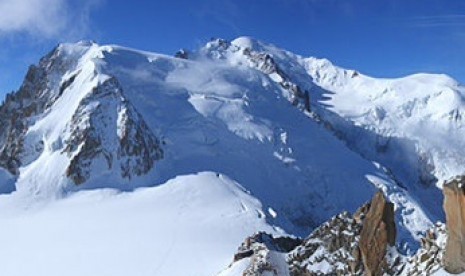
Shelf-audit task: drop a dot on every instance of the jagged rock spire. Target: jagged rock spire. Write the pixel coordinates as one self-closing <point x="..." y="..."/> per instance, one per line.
<point x="378" y="231"/>
<point x="454" y="206"/>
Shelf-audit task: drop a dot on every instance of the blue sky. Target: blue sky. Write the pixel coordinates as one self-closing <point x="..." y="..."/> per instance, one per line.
<point x="382" y="38"/>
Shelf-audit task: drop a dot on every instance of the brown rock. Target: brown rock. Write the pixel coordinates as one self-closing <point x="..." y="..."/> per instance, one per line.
<point x="361" y="213"/>
<point x="242" y="254"/>
<point x="378" y="231"/>
<point x="454" y="204"/>
<point x="355" y="264"/>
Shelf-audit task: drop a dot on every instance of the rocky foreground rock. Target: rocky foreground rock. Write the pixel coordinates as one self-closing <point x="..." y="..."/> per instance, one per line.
<point x="358" y="244"/>
<point x="345" y="245"/>
<point x="378" y="232"/>
<point x="454" y="206"/>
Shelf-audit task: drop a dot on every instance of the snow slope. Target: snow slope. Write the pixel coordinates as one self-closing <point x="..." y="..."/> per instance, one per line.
<point x="424" y="108"/>
<point x="442" y="272"/>
<point x="421" y="113"/>
<point x="412" y="126"/>
<point x="214" y="116"/>
<point x="187" y="226"/>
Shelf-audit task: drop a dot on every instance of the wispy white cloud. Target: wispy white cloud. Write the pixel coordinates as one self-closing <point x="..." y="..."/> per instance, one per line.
<point x="447" y="20"/>
<point x="45" y="18"/>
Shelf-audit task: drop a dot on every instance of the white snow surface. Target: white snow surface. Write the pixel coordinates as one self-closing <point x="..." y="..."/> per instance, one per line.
<point x="236" y="268"/>
<point x="190" y="225"/>
<point x="233" y="119"/>
<point x="442" y="272"/>
<point x="425" y="108"/>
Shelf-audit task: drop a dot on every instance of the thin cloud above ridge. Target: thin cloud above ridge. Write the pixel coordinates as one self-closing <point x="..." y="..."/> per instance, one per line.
<point x="46" y="19"/>
<point x="439" y="20"/>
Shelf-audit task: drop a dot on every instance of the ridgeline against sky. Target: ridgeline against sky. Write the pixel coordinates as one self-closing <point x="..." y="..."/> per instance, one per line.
<point x="379" y="38"/>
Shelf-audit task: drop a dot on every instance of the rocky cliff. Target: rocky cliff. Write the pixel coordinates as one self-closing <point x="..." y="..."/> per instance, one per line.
<point x="454" y="206"/>
<point x="358" y="244"/>
<point x="73" y="123"/>
<point x="378" y="232"/>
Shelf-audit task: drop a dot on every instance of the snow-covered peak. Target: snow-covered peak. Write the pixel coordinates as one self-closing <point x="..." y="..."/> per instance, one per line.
<point x="300" y="133"/>
<point x="425" y="110"/>
<point x="325" y="74"/>
<point x="76" y="48"/>
<point x="77" y="127"/>
<point x="246" y="42"/>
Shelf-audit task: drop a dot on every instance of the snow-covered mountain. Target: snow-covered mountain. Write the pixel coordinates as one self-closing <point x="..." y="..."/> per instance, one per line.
<point x="305" y="140"/>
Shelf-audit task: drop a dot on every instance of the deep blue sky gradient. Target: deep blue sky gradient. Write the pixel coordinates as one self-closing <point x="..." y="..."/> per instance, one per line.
<point x="382" y="38"/>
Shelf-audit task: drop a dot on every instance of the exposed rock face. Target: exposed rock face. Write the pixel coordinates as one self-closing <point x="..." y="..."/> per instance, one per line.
<point x="282" y="244"/>
<point x="14" y="112"/>
<point x="339" y="245"/>
<point x="333" y="245"/>
<point x="37" y="93"/>
<point x="335" y="248"/>
<point x="182" y="53"/>
<point x="266" y="254"/>
<point x="266" y="63"/>
<point x="106" y="134"/>
<point x="454" y="206"/>
<point x="428" y="258"/>
<point x="344" y="245"/>
<point x="352" y="245"/>
<point x="133" y="147"/>
<point x="378" y="231"/>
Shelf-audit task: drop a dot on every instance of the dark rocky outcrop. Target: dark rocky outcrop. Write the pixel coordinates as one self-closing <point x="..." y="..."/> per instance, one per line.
<point x="258" y="248"/>
<point x="265" y="62"/>
<point x="112" y="131"/>
<point x="345" y="245"/>
<point x="428" y="258"/>
<point x="351" y="245"/>
<point x="378" y="232"/>
<point x="335" y="243"/>
<point x="364" y="244"/>
<point x="35" y="95"/>
<point x="280" y="244"/>
<point x="14" y="112"/>
<point x="182" y="54"/>
<point x="454" y="207"/>
<point x="105" y="127"/>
